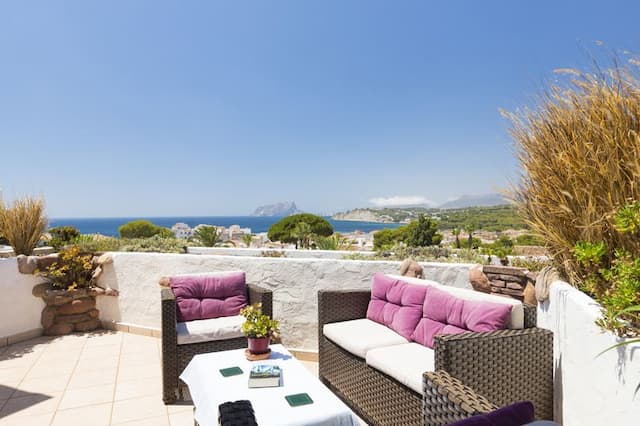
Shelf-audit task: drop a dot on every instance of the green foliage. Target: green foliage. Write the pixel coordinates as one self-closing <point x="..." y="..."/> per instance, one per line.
<point x="627" y="220"/>
<point x="155" y="244"/>
<point x="207" y="235"/>
<point x="421" y="254"/>
<point x="272" y="253"/>
<point x="143" y="229"/>
<point x="494" y="219"/>
<point x="529" y="240"/>
<point x="247" y="239"/>
<point x="389" y="237"/>
<point x="62" y="235"/>
<point x="456" y="233"/>
<point x="257" y="324"/>
<point x="423" y="232"/>
<point x="73" y="269"/>
<point x="333" y="242"/>
<point x="531" y="263"/>
<point x="23" y="223"/>
<point x="287" y="229"/>
<point x="475" y="243"/>
<point x="93" y="243"/>
<point x="590" y="254"/>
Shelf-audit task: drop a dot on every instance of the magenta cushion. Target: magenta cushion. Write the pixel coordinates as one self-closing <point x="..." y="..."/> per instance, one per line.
<point x="396" y="304"/>
<point x="209" y="296"/>
<point x="443" y="313"/>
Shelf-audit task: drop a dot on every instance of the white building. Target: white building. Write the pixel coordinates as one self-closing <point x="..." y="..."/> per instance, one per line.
<point x="182" y="230"/>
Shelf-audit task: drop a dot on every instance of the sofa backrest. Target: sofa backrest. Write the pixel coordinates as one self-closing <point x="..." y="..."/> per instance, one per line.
<point x="516" y="319"/>
<point x="209" y="295"/>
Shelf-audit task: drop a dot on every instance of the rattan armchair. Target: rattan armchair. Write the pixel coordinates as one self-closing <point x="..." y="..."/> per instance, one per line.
<point x="176" y="357"/>
<point x="474" y="372"/>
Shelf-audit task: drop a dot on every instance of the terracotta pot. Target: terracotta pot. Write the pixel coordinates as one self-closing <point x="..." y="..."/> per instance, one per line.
<point x="259" y="345"/>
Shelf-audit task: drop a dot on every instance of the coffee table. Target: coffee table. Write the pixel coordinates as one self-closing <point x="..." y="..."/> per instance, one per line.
<point x="208" y="389"/>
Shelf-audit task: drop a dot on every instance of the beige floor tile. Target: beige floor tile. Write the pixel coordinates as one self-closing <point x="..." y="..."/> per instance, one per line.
<point x="50" y="369"/>
<point x="42" y="385"/>
<point x="152" y="421"/>
<point x="127" y="373"/>
<point x="30" y="405"/>
<point x="182" y="418"/>
<point x="85" y="379"/>
<point x="11" y="375"/>
<point x="137" y="409"/>
<point x="31" y="420"/>
<point x="94" y="395"/>
<point x="138" y="388"/>
<point x="20" y="362"/>
<point x="137" y="358"/>
<point x="104" y="339"/>
<point x="94" y="364"/>
<point x="107" y="351"/>
<point x="7" y="390"/>
<point x="94" y="415"/>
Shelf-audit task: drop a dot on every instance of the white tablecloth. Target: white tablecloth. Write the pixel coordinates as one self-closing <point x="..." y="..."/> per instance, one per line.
<point x="209" y="389"/>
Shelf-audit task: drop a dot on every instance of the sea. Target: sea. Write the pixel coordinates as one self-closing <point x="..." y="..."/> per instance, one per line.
<point x="109" y="225"/>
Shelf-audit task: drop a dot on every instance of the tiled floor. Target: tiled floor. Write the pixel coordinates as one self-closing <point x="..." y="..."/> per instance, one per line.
<point x="100" y="378"/>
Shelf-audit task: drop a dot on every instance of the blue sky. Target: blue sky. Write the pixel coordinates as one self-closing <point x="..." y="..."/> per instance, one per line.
<point x="120" y="108"/>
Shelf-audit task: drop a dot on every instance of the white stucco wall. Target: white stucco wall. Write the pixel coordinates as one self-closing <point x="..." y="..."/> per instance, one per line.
<point x="290" y="253"/>
<point x="19" y="310"/>
<point x="294" y="282"/>
<point x="589" y="389"/>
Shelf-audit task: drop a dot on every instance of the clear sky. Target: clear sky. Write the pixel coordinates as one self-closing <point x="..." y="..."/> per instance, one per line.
<point x="153" y="108"/>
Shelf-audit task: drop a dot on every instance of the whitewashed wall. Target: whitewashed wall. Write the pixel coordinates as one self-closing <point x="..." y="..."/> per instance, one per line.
<point x="294" y="282"/>
<point x="19" y="310"/>
<point x="289" y="253"/>
<point x="589" y="389"/>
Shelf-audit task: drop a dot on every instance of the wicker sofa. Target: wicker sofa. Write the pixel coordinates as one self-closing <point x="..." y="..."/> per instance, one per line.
<point x="474" y="373"/>
<point x="175" y="356"/>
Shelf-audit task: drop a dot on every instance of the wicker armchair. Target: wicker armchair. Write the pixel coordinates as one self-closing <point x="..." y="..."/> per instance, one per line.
<point x="176" y="357"/>
<point x="474" y="372"/>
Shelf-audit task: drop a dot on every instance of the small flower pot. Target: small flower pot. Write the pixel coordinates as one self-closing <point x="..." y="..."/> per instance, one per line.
<point x="259" y="345"/>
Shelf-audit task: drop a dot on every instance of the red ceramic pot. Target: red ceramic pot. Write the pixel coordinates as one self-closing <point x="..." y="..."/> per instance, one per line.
<point x="259" y="345"/>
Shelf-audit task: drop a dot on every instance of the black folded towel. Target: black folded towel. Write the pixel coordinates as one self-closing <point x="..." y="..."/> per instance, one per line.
<point x="237" y="413"/>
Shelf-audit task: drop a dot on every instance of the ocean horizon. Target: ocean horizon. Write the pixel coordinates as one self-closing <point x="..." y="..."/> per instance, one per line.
<point x="109" y="225"/>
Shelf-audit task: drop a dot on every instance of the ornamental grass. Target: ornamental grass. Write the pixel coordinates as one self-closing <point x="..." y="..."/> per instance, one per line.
<point x="23" y="223"/>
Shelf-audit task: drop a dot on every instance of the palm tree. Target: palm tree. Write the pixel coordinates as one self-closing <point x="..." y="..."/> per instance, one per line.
<point x="302" y="233"/>
<point x="456" y="233"/>
<point x="208" y="235"/>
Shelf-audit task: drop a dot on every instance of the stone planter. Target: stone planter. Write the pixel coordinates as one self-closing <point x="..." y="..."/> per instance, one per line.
<point x="67" y="310"/>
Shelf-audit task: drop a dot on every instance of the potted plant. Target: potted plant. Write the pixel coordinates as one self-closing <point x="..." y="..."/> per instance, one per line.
<point x="258" y="328"/>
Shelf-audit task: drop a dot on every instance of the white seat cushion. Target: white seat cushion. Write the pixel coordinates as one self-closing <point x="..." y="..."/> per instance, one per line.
<point x="516" y="320"/>
<point x="360" y="335"/>
<point x="209" y="329"/>
<point x="405" y="363"/>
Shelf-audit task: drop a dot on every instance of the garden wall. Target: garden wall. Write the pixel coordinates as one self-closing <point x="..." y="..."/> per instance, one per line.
<point x="295" y="283"/>
<point x="19" y="309"/>
<point x="289" y="253"/>
<point x="589" y="389"/>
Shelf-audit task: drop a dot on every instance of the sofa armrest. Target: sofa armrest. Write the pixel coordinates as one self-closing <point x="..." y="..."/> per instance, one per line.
<point x="342" y="305"/>
<point x="262" y="295"/>
<point x="169" y="345"/>
<point x="447" y="399"/>
<point x="505" y="366"/>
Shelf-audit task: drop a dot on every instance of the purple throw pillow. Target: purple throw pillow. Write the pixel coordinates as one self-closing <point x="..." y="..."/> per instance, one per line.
<point x="209" y="296"/>
<point x="396" y="304"/>
<point x="443" y="313"/>
<point x="517" y="414"/>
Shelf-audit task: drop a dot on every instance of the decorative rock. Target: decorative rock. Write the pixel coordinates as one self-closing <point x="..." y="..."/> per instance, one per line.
<point x="96" y="291"/>
<point x="44" y="262"/>
<point x="27" y="264"/>
<point x="39" y="290"/>
<point x="165" y="282"/>
<point x="530" y="294"/>
<point x="479" y="280"/>
<point x="498" y="283"/>
<point x="56" y="300"/>
<point x="111" y="292"/>
<point x="58" y="330"/>
<point x="508" y="270"/>
<point x="72" y="319"/>
<point x="47" y="319"/>
<point x="508" y="278"/>
<point x="105" y="259"/>
<point x="77" y="306"/>
<point x="96" y="273"/>
<point x="515" y="286"/>
<point x="88" y="325"/>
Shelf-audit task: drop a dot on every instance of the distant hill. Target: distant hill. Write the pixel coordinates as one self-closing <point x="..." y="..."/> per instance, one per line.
<point x="485" y="200"/>
<point x="285" y="208"/>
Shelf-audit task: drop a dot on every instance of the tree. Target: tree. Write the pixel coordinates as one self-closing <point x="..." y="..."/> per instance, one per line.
<point x="247" y="239"/>
<point x="423" y="232"/>
<point x="302" y="233"/>
<point x="143" y="229"/>
<point x="62" y="235"/>
<point x="470" y="228"/>
<point x="207" y="235"/>
<point x="283" y="230"/>
<point x="456" y="233"/>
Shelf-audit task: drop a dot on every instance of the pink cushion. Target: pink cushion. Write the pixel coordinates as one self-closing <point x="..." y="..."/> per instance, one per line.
<point x="444" y="313"/>
<point x="209" y="296"/>
<point x="396" y="304"/>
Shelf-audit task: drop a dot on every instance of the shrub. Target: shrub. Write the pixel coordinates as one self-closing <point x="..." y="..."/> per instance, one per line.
<point x="207" y="235"/>
<point x="387" y="238"/>
<point x="529" y="240"/>
<point x="23" y="224"/>
<point x="97" y="243"/>
<point x="143" y="229"/>
<point x="72" y="270"/>
<point x="580" y="156"/>
<point x="531" y="263"/>
<point x="62" y="235"/>
<point x="333" y="242"/>
<point x="423" y="232"/>
<point x="288" y="230"/>
<point x="155" y="244"/>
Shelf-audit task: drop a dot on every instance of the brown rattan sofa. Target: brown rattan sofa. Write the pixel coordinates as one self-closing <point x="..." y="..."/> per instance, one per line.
<point x="474" y="372"/>
<point x="175" y="357"/>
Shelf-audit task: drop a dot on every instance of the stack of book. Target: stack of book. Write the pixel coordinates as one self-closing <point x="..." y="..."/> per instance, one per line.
<point x="265" y="376"/>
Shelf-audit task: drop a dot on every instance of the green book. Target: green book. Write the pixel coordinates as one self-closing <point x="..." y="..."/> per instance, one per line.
<point x="231" y="371"/>
<point x="299" y="399"/>
<point x="265" y="376"/>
